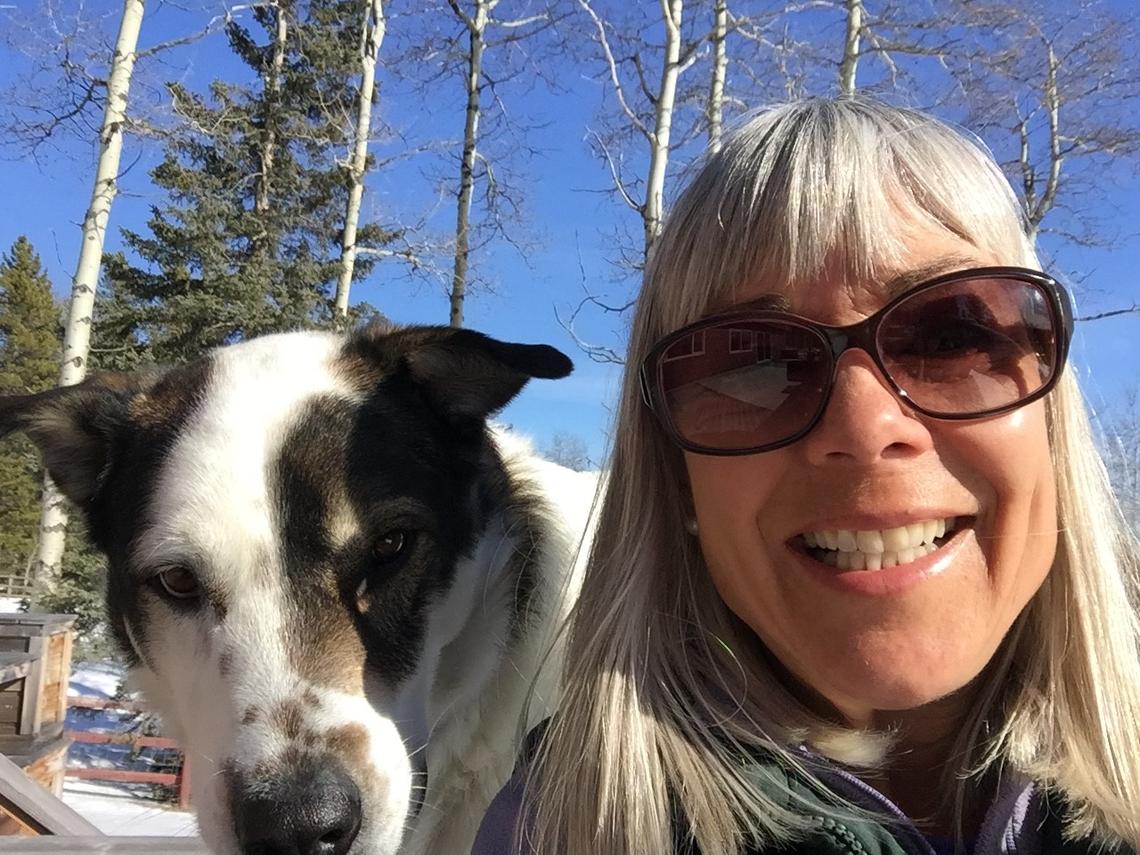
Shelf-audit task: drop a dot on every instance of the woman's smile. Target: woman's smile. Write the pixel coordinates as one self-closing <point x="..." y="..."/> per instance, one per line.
<point x="878" y="548"/>
<point x="887" y="564"/>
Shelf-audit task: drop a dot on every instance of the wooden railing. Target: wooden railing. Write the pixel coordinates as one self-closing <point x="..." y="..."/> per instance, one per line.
<point x="65" y="832"/>
<point x="32" y="713"/>
<point x="103" y="845"/>
<point x="179" y="780"/>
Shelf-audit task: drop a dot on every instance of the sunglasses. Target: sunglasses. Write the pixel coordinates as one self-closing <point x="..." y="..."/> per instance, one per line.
<point x="966" y="345"/>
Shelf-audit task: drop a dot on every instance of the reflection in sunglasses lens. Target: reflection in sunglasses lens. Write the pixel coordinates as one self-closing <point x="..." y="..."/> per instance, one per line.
<point x="744" y="384"/>
<point x="970" y="346"/>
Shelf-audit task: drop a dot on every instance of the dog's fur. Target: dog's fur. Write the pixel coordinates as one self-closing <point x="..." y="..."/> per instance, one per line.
<point x="377" y="572"/>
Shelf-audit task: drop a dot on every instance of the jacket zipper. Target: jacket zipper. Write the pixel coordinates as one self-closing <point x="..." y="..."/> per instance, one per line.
<point x="860" y="793"/>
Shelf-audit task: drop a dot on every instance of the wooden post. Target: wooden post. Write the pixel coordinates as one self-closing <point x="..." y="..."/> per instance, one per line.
<point x="184" y="783"/>
<point x="33" y="689"/>
<point x="61" y="708"/>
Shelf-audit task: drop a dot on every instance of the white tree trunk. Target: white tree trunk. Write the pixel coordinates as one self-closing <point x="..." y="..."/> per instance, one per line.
<point x="273" y="89"/>
<point x="476" y="27"/>
<point x="654" y="210"/>
<point x="77" y="334"/>
<point x="849" y="65"/>
<point x="372" y="36"/>
<point x="719" y="69"/>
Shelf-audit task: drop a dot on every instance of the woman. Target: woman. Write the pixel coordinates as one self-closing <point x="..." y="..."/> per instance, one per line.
<point x="859" y="583"/>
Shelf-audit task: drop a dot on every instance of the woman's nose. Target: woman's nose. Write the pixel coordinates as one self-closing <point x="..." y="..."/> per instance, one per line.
<point x="865" y="420"/>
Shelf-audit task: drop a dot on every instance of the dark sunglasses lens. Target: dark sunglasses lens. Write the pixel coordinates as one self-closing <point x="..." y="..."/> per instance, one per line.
<point x="971" y="346"/>
<point x="744" y="384"/>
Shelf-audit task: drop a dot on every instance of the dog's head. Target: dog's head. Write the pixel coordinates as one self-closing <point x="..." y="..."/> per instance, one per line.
<point x="286" y="523"/>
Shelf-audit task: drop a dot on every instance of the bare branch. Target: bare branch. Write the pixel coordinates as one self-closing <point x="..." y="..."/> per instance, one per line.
<point x="615" y="80"/>
<point x="1112" y="313"/>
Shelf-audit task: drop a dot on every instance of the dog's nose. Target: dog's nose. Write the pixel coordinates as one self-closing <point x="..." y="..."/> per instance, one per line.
<point x="317" y="813"/>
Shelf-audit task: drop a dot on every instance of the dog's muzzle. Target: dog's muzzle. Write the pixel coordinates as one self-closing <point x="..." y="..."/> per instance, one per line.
<point x="313" y="811"/>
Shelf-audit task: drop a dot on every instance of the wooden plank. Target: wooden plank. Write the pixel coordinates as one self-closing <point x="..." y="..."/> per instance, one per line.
<point x="15" y="657"/>
<point x="8" y="673"/>
<point x="65" y="675"/>
<point x="88" y="703"/>
<point x="125" y="776"/>
<point x="184" y="784"/>
<point x="30" y="714"/>
<point x="111" y="845"/>
<point x="90" y="738"/>
<point x="10" y="621"/>
<point x="34" y="806"/>
<point x="49" y="705"/>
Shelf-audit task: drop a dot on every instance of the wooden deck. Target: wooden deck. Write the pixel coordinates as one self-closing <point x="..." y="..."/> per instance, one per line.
<point x="110" y="845"/>
<point x="63" y="830"/>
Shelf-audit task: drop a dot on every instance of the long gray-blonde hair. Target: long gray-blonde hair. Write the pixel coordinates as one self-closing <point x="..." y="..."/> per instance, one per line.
<point x="664" y="689"/>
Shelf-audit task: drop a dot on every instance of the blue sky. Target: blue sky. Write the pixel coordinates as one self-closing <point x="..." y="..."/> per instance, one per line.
<point x="569" y="224"/>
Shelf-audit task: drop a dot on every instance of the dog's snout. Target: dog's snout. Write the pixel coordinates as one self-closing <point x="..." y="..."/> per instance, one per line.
<point x="315" y="813"/>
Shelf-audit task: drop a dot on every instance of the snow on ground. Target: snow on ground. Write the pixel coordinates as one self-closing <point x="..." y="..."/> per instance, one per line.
<point x="96" y="679"/>
<point x="114" y="809"/>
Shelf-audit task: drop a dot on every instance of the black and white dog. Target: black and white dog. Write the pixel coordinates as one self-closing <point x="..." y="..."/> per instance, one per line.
<point x="334" y="581"/>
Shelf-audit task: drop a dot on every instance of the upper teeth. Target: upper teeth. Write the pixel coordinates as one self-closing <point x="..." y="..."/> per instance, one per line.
<point x="876" y="542"/>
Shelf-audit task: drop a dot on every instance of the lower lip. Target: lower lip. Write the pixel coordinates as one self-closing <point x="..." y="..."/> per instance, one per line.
<point x="892" y="581"/>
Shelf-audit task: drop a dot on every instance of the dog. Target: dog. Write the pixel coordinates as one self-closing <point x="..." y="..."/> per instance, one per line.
<point x="331" y="577"/>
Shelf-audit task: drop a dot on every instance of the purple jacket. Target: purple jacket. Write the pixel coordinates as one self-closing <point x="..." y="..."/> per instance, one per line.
<point x="1012" y="824"/>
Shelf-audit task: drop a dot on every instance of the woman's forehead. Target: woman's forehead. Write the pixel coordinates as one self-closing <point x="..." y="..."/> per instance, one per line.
<point x="838" y="282"/>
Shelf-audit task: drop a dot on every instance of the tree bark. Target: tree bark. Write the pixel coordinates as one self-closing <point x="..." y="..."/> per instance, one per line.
<point x="77" y="333"/>
<point x="476" y="27"/>
<point x="273" y="91"/>
<point x="372" y="36"/>
<point x="849" y="65"/>
<point x="654" y="210"/>
<point x="719" y="69"/>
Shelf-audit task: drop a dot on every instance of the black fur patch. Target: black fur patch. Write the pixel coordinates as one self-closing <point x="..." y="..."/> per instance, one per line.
<point x="145" y="429"/>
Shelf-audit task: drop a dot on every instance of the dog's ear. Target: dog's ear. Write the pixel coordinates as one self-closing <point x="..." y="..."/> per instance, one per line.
<point x="468" y="374"/>
<point x="73" y="428"/>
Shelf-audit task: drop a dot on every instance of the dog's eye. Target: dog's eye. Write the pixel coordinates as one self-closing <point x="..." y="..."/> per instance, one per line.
<point x="390" y="545"/>
<point x="179" y="583"/>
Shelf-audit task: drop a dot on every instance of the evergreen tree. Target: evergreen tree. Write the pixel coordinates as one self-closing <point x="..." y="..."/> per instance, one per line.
<point x="29" y="362"/>
<point x="248" y="241"/>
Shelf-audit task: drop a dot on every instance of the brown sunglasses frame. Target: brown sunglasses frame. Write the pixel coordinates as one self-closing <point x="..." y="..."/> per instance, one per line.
<point x="862" y="336"/>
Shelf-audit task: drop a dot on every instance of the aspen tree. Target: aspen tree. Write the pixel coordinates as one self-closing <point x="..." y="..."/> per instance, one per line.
<point x="77" y="331"/>
<point x="676" y="57"/>
<point x="372" y="31"/>
<point x="476" y="170"/>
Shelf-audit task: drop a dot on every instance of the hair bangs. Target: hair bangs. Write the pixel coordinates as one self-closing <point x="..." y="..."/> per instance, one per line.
<point x="822" y="185"/>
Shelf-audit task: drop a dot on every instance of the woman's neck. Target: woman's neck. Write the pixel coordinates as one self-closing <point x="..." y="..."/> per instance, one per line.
<point x="922" y="771"/>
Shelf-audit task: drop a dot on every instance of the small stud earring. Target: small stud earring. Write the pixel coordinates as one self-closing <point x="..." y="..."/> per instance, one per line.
<point x="691" y="526"/>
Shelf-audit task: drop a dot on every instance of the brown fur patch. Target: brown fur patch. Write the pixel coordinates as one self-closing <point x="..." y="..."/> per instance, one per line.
<point x="251" y="715"/>
<point x="288" y="718"/>
<point x="348" y="741"/>
<point x="169" y="400"/>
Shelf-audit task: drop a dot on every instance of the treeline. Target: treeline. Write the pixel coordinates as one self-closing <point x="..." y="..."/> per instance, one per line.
<point x="259" y="224"/>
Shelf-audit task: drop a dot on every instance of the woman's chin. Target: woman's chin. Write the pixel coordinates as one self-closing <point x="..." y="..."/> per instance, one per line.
<point x="861" y="701"/>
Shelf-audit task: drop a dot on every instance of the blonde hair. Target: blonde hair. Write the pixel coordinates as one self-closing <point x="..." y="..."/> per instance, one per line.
<point x="664" y="689"/>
